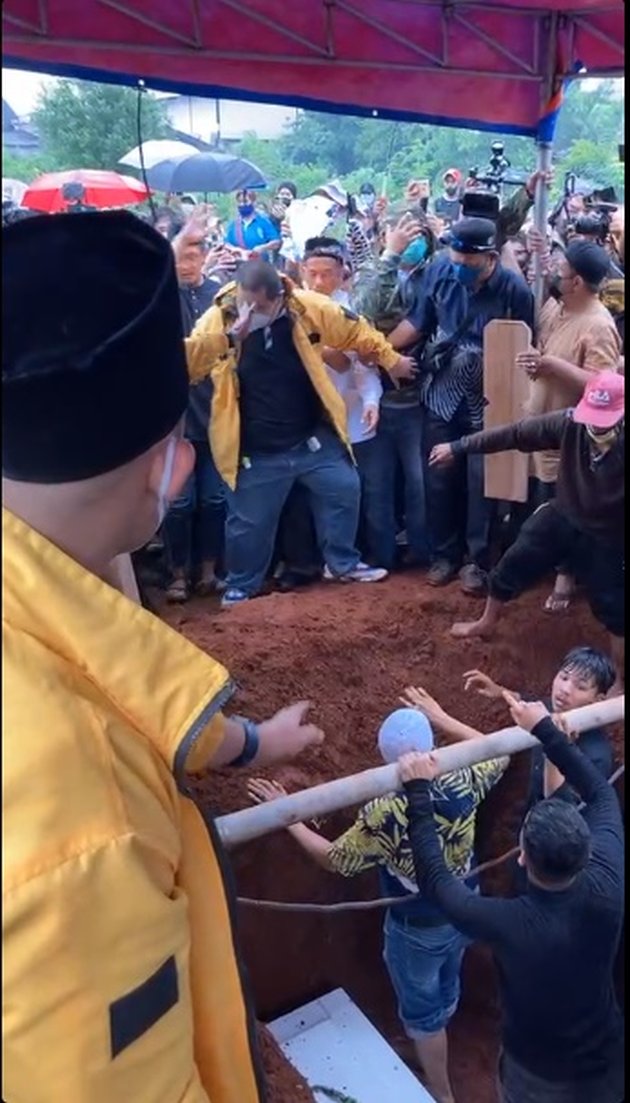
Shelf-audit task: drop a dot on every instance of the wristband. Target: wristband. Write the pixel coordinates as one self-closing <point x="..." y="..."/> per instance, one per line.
<point x="251" y="745"/>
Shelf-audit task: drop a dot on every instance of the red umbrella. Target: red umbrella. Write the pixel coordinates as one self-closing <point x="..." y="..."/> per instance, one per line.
<point x="102" y="189"/>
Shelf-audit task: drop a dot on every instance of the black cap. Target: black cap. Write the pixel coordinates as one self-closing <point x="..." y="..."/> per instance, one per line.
<point x="93" y="362"/>
<point x="589" y="261"/>
<point x="472" y="235"/>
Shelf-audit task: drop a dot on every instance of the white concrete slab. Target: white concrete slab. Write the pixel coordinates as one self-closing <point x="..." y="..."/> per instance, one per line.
<point x="335" y="1046"/>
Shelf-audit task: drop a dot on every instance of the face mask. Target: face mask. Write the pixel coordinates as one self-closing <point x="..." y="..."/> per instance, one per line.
<point x="259" y="320"/>
<point x="467" y="275"/>
<point x="165" y="481"/>
<point x="245" y="209"/>
<point x="451" y="189"/>
<point x="603" y="439"/>
<point x="415" y="253"/>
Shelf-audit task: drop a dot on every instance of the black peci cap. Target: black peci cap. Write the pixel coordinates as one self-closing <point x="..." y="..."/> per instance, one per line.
<point x="472" y="235"/>
<point x="93" y="361"/>
<point x="589" y="261"/>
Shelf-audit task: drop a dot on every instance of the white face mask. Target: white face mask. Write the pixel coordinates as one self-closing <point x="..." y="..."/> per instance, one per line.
<point x="165" y="481"/>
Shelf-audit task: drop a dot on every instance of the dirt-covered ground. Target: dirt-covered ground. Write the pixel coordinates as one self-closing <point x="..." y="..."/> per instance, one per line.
<point x="350" y="650"/>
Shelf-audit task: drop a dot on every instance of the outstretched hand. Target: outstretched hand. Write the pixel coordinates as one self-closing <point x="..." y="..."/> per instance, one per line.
<point x="261" y="791"/>
<point x="288" y="733"/>
<point x="482" y="684"/>
<point x="415" y="697"/>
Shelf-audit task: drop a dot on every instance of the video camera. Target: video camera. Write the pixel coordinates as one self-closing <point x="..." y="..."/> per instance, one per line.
<point x="600" y="204"/>
<point x="496" y="173"/>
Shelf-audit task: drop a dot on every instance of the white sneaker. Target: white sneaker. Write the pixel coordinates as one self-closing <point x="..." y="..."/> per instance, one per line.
<point x="360" y="573"/>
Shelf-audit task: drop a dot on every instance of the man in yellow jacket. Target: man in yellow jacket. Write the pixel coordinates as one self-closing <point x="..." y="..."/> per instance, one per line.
<point x="121" y="979"/>
<point x="277" y="418"/>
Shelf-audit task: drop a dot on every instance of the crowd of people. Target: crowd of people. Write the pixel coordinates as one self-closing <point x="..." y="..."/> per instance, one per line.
<point x="296" y="405"/>
<point x="322" y="455"/>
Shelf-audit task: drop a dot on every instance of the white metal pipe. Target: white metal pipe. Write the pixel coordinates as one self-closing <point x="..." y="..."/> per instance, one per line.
<point x="321" y="800"/>
<point x="541" y="214"/>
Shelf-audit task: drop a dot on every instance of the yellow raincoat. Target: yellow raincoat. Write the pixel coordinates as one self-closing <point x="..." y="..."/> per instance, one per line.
<point x="120" y="978"/>
<point x="317" y="322"/>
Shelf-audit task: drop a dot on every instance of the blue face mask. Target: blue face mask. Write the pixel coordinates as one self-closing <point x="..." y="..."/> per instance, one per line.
<point x="415" y="253"/>
<point x="467" y="275"/>
<point x="245" y="209"/>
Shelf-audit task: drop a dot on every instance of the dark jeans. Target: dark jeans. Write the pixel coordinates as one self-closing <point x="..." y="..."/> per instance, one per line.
<point x="460" y="515"/>
<point x="262" y="489"/>
<point x="518" y="1085"/>
<point x="548" y="538"/>
<point x="398" y="440"/>
<point x="296" y="544"/>
<point x="195" y="524"/>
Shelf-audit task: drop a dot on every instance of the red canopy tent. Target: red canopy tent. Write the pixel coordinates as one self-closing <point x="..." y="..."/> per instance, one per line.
<point x="478" y="63"/>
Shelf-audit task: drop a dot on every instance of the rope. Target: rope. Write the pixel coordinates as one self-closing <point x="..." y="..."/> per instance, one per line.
<point x="388" y="901"/>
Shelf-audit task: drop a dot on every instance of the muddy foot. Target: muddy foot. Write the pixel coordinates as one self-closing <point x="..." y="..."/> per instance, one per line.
<point x="469" y="629"/>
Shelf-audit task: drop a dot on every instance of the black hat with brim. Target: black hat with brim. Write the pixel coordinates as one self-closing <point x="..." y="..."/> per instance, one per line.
<point x="93" y="366"/>
<point x="471" y="236"/>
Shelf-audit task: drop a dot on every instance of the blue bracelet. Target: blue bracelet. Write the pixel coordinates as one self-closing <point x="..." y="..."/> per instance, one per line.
<point x="252" y="743"/>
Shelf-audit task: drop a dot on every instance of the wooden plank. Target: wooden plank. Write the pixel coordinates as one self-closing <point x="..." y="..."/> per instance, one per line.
<point x="506" y="389"/>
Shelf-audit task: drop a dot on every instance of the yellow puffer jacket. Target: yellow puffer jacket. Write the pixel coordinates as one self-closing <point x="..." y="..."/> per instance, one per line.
<point x="317" y="322"/>
<point x="120" y="978"/>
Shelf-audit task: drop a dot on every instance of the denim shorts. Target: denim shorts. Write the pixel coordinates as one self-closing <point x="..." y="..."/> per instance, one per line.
<point x="518" y="1085"/>
<point x="424" y="965"/>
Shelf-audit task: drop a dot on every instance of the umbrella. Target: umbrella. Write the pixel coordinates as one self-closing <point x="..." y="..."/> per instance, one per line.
<point x="155" y="151"/>
<point x="205" y="172"/>
<point x="12" y="190"/>
<point x="102" y="189"/>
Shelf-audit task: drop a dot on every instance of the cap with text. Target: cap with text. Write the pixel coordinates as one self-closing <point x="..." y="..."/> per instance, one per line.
<point x="602" y="404"/>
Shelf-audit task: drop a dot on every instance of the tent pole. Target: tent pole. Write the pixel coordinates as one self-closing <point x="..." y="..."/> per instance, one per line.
<point x="541" y="214"/>
<point x="343" y="792"/>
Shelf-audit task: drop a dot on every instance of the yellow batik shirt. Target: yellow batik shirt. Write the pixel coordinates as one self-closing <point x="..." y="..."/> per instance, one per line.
<point x="379" y="837"/>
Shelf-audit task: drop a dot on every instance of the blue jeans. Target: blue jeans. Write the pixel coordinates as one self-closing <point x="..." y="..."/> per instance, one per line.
<point x="460" y="513"/>
<point x="398" y="440"/>
<point x="518" y="1085"/>
<point x="194" y="526"/>
<point x="254" y="508"/>
<point x="424" y="965"/>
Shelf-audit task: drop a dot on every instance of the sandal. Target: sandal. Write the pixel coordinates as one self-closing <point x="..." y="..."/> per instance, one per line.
<point x="178" y="592"/>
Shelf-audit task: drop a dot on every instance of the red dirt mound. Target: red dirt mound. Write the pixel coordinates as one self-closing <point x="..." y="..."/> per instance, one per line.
<point x="350" y="651"/>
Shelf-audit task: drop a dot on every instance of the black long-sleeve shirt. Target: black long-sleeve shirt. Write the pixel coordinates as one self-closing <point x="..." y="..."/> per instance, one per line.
<point x="590" y="490"/>
<point x="555" y="951"/>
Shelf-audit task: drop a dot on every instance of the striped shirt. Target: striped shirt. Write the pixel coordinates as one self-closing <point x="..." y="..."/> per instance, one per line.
<point x="443" y="306"/>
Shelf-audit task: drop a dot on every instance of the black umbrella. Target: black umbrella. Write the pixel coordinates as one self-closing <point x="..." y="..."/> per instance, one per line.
<point x="205" y="172"/>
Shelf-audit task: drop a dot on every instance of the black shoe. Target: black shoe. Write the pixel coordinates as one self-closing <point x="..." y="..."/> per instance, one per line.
<point x="473" y="580"/>
<point x="293" y="580"/>
<point x="441" y="573"/>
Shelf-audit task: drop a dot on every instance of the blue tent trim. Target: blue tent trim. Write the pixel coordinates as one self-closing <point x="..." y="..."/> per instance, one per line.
<point x="306" y="103"/>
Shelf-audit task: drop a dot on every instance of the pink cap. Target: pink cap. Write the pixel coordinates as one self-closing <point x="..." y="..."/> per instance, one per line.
<point x="455" y="173"/>
<point x="602" y="404"/>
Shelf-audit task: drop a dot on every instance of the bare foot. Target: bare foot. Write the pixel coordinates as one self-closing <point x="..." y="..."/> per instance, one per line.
<point x="468" y="629"/>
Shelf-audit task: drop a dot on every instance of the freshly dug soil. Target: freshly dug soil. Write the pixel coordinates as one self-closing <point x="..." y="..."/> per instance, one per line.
<point x="350" y="651"/>
<point x="284" y="1083"/>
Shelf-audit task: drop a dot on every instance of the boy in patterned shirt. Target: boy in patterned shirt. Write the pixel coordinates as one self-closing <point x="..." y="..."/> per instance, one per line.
<point x="423" y="952"/>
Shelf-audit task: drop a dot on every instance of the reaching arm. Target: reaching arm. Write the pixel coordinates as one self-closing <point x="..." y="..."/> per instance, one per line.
<point x="345" y="331"/>
<point x="283" y="736"/>
<point x="315" y="845"/>
<point x="600" y="798"/>
<point x="533" y="434"/>
<point x="473" y="915"/>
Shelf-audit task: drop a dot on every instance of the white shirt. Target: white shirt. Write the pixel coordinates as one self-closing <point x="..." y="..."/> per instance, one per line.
<point x="359" y="387"/>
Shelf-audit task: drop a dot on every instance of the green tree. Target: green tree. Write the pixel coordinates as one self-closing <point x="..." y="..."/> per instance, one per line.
<point x="90" y="126"/>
